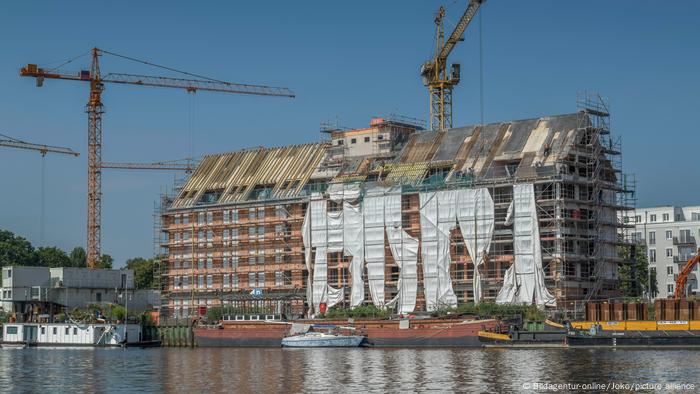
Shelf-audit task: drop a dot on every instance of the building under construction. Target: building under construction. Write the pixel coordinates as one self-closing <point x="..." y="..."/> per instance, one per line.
<point x="392" y="215"/>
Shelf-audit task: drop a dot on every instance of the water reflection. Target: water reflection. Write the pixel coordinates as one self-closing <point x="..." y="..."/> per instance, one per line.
<point x="333" y="370"/>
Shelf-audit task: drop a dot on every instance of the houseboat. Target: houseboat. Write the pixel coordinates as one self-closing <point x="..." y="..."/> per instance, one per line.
<point x="70" y="334"/>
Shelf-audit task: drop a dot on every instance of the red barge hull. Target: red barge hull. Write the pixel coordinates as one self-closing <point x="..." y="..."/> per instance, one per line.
<point x="380" y="333"/>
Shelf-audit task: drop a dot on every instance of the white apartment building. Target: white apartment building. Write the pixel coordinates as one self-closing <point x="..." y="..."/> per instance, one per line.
<point x="671" y="236"/>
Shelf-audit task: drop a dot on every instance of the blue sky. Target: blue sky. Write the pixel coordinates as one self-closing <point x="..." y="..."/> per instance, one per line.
<point x="344" y="60"/>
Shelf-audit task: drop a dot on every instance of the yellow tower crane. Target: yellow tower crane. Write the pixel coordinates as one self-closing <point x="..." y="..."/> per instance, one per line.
<point x="434" y="71"/>
<point x="97" y="80"/>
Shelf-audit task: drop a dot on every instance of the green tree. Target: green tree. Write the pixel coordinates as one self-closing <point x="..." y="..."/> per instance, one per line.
<point x="634" y="275"/>
<point x="52" y="256"/>
<point x="78" y="257"/>
<point x="15" y="250"/>
<point x="144" y="270"/>
<point x="105" y="262"/>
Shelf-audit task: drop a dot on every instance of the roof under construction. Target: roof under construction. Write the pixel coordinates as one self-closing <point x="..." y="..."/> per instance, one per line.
<point x="515" y="149"/>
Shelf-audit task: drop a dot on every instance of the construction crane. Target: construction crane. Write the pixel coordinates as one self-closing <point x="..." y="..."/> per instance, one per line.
<point x="10" y="142"/>
<point x="683" y="276"/>
<point x="434" y="71"/>
<point x="95" y="110"/>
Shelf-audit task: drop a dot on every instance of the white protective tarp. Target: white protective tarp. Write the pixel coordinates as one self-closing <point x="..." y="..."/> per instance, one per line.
<point x="475" y="213"/>
<point x="373" y="213"/>
<point x="306" y="240"/>
<point x="319" y="223"/>
<point x="354" y="245"/>
<point x="404" y="250"/>
<point x="322" y="292"/>
<point x="524" y="279"/>
<point x="438" y="215"/>
<point x="335" y="231"/>
<point x="338" y="192"/>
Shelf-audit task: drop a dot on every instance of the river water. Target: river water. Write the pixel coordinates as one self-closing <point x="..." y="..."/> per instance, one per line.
<point x="347" y="370"/>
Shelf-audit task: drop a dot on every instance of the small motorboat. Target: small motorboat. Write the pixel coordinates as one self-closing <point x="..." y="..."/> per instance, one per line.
<point x="320" y="339"/>
<point x="13" y="345"/>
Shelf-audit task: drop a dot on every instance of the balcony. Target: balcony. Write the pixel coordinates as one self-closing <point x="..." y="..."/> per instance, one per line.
<point x="684" y="240"/>
<point x="682" y="259"/>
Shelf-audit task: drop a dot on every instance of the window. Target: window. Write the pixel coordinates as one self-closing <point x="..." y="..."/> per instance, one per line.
<point x="200" y="218"/>
<point x="652" y="218"/>
<point x="251" y="231"/>
<point x="695" y="216"/>
<point x="664" y="217"/>
<point x="669" y="252"/>
<point x="380" y="137"/>
<point x="353" y="140"/>
<point x="669" y="288"/>
<point x="340" y="142"/>
<point x="67" y="330"/>
<point x="278" y="278"/>
<point x="251" y="279"/>
<point x="638" y="218"/>
<point x="234" y="233"/>
<point x="200" y="264"/>
<point x="234" y="262"/>
<point x="234" y="216"/>
<point x="261" y="232"/>
<point x="43" y="330"/>
<point x="177" y="219"/>
<point x="234" y="281"/>
<point x="652" y="237"/>
<point x="685" y="236"/>
<point x="210" y="281"/>
<point x="98" y="297"/>
<point x="200" y="281"/>
<point x="261" y="213"/>
<point x="261" y="279"/>
<point x="652" y="255"/>
<point x="55" y="331"/>
<point x="669" y="270"/>
<point x="251" y="214"/>
<point x="226" y="217"/>
<point x="210" y="217"/>
<point x="185" y="282"/>
<point x="225" y="280"/>
<point x="210" y="238"/>
<point x="11" y="330"/>
<point x="669" y="234"/>
<point x="9" y="273"/>
<point x="210" y="262"/>
<point x="366" y="139"/>
<point x="185" y="219"/>
<point x="75" y="330"/>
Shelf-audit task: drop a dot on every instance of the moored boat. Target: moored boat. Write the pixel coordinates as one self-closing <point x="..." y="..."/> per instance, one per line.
<point x="681" y="334"/>
<point x="321" y="339"/>
<point x="431" y="332"/>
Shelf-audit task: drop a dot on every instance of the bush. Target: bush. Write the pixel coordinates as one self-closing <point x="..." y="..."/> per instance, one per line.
<point x="491" y="309"/>
<point x="338" y="312"/>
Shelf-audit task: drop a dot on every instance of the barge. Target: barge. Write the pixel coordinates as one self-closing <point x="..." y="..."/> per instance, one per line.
<point x="431" y="332"/>
<point x="665" y="333"/>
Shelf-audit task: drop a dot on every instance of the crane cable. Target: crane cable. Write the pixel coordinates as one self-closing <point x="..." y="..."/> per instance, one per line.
<point x="160" y="66"/>
<point x="481" y="71"/>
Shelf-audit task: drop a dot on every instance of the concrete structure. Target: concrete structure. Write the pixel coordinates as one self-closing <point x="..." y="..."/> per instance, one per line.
<point x="232" y="234"/>
<point x="32" y="291"/>
<point x="671" y="236"/>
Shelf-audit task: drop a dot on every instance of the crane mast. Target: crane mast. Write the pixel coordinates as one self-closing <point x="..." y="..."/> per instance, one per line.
<point x="434" y="71"/>
<point x="95" y="110"/>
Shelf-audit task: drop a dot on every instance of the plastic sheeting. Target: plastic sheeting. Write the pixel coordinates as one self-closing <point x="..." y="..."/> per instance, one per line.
<point x="373" y="213"/>
<point x="338" y="192"/>
<point x="322" y="292"/>
<point x="335" y="231"/>
<point x="306" y="240"/>
<point x="354" y="245"/>
<point x="438" y="215"/>
<point x="524" y="279"/>
<point x="319" y="223"/>
<point x="404" y="249"/>
<point x="475" y="213"/>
